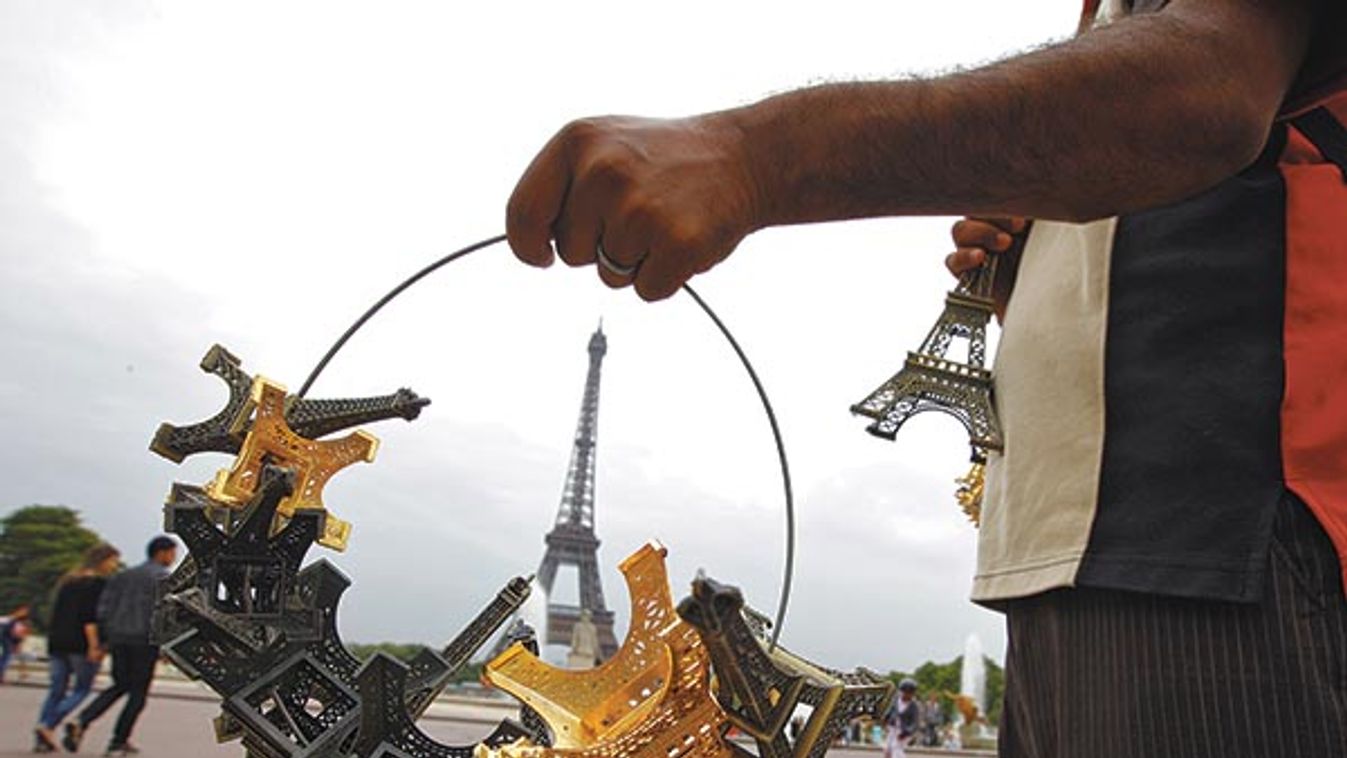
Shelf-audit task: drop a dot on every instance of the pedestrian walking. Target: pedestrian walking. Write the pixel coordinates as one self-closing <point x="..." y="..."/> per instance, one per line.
<point x="124" y="614"/>
<point x="932" y="719"/>
<point x="73" y="648"/>
<point x="900" y="721"/>
<point x="13" y="630"/>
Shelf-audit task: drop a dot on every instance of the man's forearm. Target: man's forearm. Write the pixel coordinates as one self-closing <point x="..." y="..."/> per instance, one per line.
<point x="1150" y="110"/>
<point x="1147" y="111"/>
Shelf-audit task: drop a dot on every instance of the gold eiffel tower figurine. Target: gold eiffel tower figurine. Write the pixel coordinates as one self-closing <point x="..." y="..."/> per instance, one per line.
<point x="931" y="380"/>
<point x="652" y="699"/>
<point x="271" y="440"/>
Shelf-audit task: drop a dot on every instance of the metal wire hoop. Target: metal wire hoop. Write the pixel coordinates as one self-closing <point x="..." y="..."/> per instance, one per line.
<point x="720" y="325"/>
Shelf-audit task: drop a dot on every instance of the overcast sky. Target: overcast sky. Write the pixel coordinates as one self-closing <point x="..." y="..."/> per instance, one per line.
<point x="174" y="175"/>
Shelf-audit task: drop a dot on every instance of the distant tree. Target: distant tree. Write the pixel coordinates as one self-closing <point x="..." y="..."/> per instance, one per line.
<point x="403" y="651"/>
<point x="39" y="543"/>
<point x="471" y="672"/>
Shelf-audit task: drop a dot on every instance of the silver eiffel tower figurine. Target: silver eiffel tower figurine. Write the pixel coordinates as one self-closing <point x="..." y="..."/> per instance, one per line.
<point x="931" y="380"/>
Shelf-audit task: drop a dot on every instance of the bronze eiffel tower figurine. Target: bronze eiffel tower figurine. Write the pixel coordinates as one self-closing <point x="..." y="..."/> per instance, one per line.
<point x="931" y="381"/>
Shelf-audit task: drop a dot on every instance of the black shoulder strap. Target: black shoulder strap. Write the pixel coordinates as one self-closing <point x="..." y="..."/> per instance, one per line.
<point x="1327" y="134"/>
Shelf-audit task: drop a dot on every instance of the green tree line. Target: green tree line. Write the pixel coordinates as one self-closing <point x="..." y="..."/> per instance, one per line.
<point x="406" y="651"/>
<point x="39" y="543"/>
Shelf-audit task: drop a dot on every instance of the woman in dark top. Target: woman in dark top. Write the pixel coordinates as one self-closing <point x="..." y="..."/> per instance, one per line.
<point x="72" y="641"/>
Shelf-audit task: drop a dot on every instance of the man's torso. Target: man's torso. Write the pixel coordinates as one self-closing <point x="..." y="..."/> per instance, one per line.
<point x="1163" y="376"/>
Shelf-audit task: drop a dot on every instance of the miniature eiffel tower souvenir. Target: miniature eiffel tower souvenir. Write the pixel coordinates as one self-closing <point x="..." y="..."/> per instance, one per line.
<point x="270" y="439"/>
<point x="761" y="685"/>
<point x="224" y="432"/>
<point x="931" y="380"/>
<point x="652" y="699"/>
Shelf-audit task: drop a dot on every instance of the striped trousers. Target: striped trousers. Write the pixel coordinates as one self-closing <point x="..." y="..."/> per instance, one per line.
<point x="1102" y="674"/>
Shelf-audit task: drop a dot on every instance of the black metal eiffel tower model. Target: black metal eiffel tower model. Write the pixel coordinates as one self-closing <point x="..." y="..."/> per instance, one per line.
<point x="932" y="381"/>
<point x="572" y="541"/>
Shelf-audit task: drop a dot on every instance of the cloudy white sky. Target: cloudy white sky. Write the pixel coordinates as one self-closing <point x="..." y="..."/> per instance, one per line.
<point x="174" y="175"/>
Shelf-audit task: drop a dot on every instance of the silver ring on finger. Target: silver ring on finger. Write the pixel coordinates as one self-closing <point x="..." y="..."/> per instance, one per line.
<point x="612" y="266"/>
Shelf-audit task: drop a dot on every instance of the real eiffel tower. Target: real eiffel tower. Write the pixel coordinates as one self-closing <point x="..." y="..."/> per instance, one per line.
<point x="929" y="380"/>
<point x="572" y="541"/>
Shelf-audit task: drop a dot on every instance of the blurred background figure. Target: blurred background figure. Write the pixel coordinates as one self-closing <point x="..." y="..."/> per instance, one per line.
<point x="73" y="647"/>
<point x="900" y="721"/>
<point x="932" y="719"/>
<point x="13" y="630"/>
<point x="950" y="739"/>
<point x="125" y="611"/>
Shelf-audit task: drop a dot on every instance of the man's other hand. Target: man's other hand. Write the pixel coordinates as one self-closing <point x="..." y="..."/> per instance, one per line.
<point x="659" y="200"/>
<point x="975" y="238"/>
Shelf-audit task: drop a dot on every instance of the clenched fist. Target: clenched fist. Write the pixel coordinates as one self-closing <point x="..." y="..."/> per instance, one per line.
<point x="652" y="201"/>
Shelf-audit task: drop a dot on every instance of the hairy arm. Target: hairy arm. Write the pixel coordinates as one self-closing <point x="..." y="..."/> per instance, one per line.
<point x="1145" y="111"/>
<point x="1148" y="110"/>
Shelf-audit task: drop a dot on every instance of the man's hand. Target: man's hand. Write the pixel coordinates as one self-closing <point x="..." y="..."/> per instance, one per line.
<point x="663" y="200"/>
<point x="95" y="654"/>
<point x="975" y="238"/>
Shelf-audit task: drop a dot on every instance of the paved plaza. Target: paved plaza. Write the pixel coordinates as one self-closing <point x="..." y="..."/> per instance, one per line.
<point x="177" y="724"/>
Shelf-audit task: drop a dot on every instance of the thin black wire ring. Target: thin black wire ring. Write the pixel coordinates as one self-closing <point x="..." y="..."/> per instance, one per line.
<point x="748" y="366"/>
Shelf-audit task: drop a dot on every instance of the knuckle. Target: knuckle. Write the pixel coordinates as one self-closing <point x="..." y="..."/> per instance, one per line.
<point x="580" y="133"/>
<point x="641" y="216"/>
<point x="689" y="236"/>
<point x="639" y="209"/>
<point x="962" y="260"/>
<point x="609" y="171"/>
<point x="589" y="144"/>
<point x="967" y="231"/>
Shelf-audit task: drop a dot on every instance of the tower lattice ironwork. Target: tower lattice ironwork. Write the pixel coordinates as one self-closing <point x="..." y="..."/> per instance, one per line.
<point x="931" y="380"/>
<point x="572" y="541"/>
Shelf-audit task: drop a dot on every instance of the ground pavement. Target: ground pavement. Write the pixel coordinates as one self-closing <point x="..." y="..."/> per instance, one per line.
<point x="176" y="723"/>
